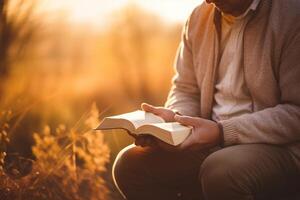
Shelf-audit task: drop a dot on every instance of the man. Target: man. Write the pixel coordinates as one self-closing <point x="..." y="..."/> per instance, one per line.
<point x="238" y="85"/>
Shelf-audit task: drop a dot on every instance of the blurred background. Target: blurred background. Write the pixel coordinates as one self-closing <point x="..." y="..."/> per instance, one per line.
<point x="65" y="63"/>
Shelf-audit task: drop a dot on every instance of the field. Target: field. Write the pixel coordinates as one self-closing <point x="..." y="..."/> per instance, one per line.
<point x="58" y="79"/>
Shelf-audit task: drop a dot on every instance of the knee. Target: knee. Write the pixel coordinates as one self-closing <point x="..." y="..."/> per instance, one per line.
<point x="213" y="172"/>
<point x="121" y="166"/>
<point x="127" y="164"/>
<point x="222" y="175"/>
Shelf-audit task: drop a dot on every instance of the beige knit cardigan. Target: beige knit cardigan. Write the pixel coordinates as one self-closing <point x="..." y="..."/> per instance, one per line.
<point x="272" y="73"/>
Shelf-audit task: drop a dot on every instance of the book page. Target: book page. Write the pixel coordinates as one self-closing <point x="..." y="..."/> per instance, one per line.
<point x="172" y="133"/>
<point x="172" y="126"/>
<point x="139" y="118"/>
<point x="109" y="123"/>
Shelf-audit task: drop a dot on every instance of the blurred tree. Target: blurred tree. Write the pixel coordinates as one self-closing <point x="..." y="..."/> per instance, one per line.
<point x="142" y="47"/>
<point x="130" y="34"/>
<point x="17" y="28"/>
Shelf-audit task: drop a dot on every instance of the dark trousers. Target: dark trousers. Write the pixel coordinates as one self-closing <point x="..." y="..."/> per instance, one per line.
<point x="254" y="171"/>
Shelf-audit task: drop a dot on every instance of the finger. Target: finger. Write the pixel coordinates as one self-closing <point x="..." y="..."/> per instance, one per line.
<point x="166" y="147"/>
<point x="147" y="107"/>
<point x="139" y="141"/>
<point x="132" y="135"/>
<point x="150" y="141"/>
<point x="145" y="141"/>
<point x="186" y="120"/>
<point x="188" y="142"/>
<point x="185" y="144"/>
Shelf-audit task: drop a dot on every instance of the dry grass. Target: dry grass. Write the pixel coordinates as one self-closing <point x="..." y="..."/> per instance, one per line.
<point x="69" y="164"/>
<point x="63" y="68"/>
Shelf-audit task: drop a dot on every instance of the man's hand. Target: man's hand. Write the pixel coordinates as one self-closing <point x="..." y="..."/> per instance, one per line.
<point x="150" y="141"/>
<point x="205" y="133"/>
<point x="165" y="113"/>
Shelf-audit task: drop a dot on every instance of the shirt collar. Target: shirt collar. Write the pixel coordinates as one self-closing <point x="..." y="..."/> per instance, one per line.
<point x="252" y="7"/>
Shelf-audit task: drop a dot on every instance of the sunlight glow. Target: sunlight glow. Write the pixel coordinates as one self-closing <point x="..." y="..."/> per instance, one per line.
<point x="96" y="11"/>
<point x="172" y="10"/>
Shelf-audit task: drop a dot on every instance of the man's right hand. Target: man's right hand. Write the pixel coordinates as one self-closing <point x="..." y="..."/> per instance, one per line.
<point x="165" y="113"/>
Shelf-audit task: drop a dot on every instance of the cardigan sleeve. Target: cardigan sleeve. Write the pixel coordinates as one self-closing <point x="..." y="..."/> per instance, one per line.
<point x="184" y="96"/>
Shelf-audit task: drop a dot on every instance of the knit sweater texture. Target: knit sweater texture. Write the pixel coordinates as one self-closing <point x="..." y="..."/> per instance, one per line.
<point x="271" y="61"/>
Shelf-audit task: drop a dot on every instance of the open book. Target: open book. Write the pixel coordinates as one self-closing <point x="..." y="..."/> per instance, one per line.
<point x="141" y="122"/>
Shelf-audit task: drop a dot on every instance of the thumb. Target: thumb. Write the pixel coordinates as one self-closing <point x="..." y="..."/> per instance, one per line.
<point x="186" y="144"/>
<point x="146" y="107"/>
<point x="186" y="120"/>
<point x="149" y="108"/>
